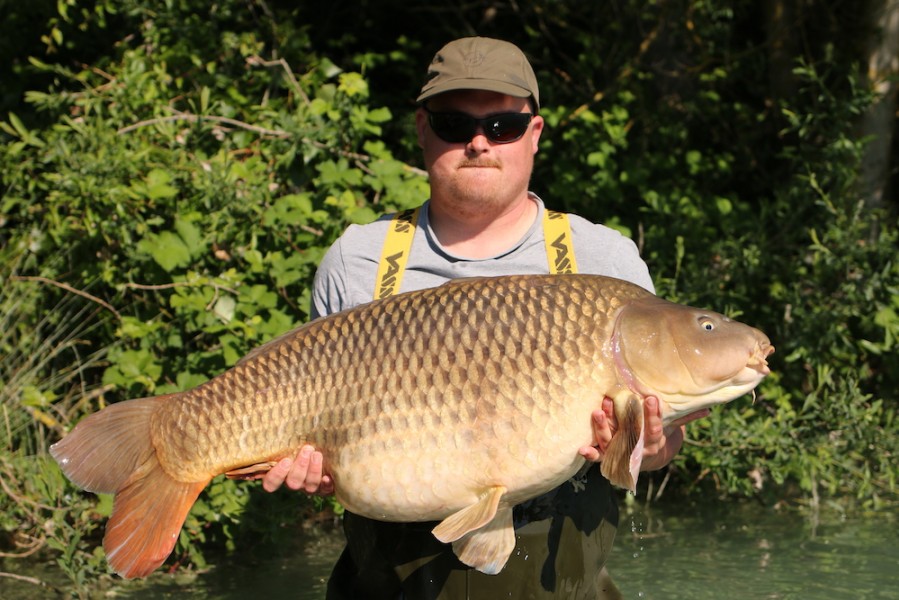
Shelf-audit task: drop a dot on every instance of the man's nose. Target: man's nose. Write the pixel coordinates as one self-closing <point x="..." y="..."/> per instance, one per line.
<point x="479" y="142"/>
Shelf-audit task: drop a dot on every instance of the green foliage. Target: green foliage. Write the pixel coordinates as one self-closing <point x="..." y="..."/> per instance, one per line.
<point x="172" y="174"/>
<point x="821" y="278"/>
<point x="165" y="211"/>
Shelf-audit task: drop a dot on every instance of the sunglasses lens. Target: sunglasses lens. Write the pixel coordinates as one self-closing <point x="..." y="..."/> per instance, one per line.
<point x="459" y="128"/>
<point x="454" y="128"/>
<point x="507" y="128"/>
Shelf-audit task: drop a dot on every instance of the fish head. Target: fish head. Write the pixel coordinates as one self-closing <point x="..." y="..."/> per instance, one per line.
<point x="689" y="358"/>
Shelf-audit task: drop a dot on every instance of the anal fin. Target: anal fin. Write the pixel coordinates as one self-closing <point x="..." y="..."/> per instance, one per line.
<point x="471" y="517"/>
<point x="482" y="535"/>
<point x="487" y="549"/>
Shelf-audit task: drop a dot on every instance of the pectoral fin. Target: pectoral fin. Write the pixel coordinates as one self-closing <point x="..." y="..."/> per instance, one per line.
<point x="482" y="536"/>
<point x="621" y="463"/>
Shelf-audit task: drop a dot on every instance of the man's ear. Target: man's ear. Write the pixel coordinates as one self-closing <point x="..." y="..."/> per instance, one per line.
<point x="421" y="124"/>
<point x="537" y="123"/>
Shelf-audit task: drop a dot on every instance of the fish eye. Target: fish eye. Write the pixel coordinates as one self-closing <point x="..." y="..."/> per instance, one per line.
<point x="706" y="324"/>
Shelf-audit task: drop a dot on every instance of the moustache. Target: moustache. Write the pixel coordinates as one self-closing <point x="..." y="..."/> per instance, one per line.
<point x="479" y="163"/>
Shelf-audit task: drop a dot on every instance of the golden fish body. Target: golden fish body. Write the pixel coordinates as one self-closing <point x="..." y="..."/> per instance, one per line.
<point x="489" y="382"/>
<point x="451" y="403"/>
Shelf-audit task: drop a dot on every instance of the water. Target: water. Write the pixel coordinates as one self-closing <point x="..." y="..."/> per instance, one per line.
<point x="745" y="551"/>
<point x="678" y="551"/>
<point x="299" y="574"/>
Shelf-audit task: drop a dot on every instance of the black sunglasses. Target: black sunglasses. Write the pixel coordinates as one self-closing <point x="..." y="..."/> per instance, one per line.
<point x="460" y="128"/>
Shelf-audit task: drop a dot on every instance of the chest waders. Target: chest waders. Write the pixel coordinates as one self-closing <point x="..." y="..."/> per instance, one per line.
<point x="562" y="538"/>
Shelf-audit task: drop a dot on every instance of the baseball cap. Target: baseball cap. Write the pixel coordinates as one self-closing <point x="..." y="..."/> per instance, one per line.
<point x="479" y="63"/>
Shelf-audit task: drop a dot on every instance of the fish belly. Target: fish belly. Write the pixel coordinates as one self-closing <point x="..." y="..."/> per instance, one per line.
<point x="429" y="473"/>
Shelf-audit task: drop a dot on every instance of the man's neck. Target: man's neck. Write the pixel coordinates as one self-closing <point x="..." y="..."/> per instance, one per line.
<point x="481" y="233"/>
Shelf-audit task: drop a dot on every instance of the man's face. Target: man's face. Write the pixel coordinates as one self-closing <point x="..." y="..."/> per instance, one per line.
<point x="479" y="172"/>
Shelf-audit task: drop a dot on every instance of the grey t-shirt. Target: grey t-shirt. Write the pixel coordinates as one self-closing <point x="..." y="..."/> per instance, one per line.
<point x="346" y="275"/>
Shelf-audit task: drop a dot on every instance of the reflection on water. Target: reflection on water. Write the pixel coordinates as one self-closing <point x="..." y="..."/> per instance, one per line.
<point x="696" y="552"/>
<point x="300" y="574"/>
<point x="742" y="551"/>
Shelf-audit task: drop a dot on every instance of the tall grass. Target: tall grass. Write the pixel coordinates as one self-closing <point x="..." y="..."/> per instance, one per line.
<point x="44" y="384"/>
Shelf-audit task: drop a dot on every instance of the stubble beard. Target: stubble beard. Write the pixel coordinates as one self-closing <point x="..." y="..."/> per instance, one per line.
<point x="472" y="195"/>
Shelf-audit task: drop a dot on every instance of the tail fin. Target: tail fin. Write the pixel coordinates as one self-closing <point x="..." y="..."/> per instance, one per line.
<point x="111" y="452"/>
<point x="621" y="463"/>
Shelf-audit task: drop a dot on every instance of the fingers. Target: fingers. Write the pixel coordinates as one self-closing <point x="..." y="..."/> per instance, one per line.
<point x="272" y="480"/>
<point x="327" y="486"/>
<point x="602" y="435"/>
<point x="590" y="453"/>
<point x="305" y="472"/>
<point x="653" y="429"/>
<point x="608" y="407"/>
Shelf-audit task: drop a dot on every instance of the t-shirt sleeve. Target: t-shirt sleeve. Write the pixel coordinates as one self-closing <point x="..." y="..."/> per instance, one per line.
<point x="601" y="250"/>
<point x="329" y="286"/>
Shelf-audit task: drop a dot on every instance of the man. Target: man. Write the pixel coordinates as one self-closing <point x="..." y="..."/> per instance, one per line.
<point x="478" y="127"/>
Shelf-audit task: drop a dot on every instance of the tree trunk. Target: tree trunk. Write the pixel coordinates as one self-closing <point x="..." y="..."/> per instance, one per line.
<point x="879" y="122"/>
<point x="780" y="16"/>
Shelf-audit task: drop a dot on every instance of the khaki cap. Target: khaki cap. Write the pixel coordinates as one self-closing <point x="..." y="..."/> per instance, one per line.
<point x="478" y="63"/>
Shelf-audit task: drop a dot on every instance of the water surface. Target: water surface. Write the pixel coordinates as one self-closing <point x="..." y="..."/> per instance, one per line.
<point x="668" y="551"/>
<point x="735" y="550"/>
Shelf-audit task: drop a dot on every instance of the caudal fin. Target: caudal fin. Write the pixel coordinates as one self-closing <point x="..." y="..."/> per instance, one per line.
<point x="147" y="516"/>
<point x="621" y="463"/>
<point x="111" y="452"/>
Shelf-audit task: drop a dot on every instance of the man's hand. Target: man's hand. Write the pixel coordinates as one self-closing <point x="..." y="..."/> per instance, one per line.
<point x="660" y="444"/>
<point x="302" y="473"/>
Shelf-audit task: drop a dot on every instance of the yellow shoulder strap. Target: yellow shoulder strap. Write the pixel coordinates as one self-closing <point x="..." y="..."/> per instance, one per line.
<point x="398" y="244"/>
<point x="395" y="253"/>
<point x="559" y="245"/>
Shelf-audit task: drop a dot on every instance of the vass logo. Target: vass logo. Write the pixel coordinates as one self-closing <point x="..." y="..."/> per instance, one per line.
<point x="403" y="221"/>
<point x="401" y="225"/>
<point x="388" y="281"/>
<point x="562" y="261"/>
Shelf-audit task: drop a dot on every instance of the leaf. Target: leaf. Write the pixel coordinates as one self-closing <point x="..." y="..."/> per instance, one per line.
<point x="292" y="209"/>
<point x="725" y="206"/>
<point x="167" y="249"/>
<point x="157" y="185"/>
<point x="191" y="236"/>
<point x="204" y="99"/>
<point x="224" y="308"/>
<point x="231" y="348"/>
<point x="362" y="215"/>
<point x="130" y="367"/>
<point x="134" y="328"/>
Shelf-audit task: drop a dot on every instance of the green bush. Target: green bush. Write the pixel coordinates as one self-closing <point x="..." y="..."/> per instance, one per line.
<point x="183" y="196"/>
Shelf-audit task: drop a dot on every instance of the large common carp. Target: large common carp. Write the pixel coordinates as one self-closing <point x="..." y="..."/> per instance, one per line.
<point x="450" y="403"/>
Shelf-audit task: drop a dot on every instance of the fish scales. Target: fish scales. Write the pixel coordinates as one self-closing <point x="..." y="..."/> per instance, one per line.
<point x="403" y="364"/>
<point x="451" y="403"/>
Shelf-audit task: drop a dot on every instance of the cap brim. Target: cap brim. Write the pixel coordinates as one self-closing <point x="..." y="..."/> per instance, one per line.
<point x="510" y="89"/>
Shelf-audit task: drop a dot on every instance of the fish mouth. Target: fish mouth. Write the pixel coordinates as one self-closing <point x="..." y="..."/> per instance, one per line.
<point x="758" y="361"/>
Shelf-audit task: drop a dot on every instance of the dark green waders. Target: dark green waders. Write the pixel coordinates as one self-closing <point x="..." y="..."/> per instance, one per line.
<point x="562" y="541"/>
